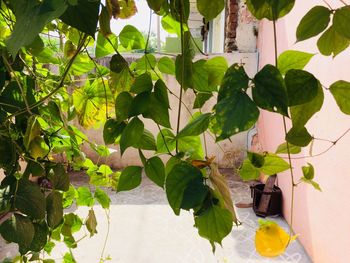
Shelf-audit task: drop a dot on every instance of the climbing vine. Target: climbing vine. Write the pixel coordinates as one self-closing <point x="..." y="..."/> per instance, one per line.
<point x="51" y="77"/>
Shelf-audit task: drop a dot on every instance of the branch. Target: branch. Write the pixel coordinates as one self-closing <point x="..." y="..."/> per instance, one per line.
<point x="60" y="85"/>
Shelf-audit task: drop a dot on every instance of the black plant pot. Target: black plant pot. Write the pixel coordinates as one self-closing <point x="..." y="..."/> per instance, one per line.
<point x="275" y="205"/>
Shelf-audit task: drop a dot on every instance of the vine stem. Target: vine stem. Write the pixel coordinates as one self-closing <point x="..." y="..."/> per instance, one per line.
<point x="333" y="143"/>
<point x="182" y="73"/>
<point x="288" y="149"/>
<point x="9" y="68"/>
<point x="149" y="32"/>
<point x="329" y="6"/>
<point x="344" y="3"/>
<point x="102" y="80"/>
<point x="60" y="85"/>
<point x="107" y="235"/>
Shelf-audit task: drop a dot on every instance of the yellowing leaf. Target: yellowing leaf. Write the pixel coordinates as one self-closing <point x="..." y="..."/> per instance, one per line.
<point x="38" y="148"/>
<point x="127" y="9"/>
<point x="90" y="103"/>
<point x="91" y="222"/>
<point x="113" y="8"/>
<point x="220" y="185"/>
<point x="271" y="240"/>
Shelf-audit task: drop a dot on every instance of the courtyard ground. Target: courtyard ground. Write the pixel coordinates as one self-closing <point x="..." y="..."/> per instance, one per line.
<point x="144" y="229"/>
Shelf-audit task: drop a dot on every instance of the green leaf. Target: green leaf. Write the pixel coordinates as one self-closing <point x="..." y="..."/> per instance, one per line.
<point x="183" y="64"/>
<point x="248" y="171"/>
<point x="270" y="9"/>
<point x="308" y="171"/>
<point x="12" y="99"/>
<point x="300" y="114"/>
<point x="83" y="16"/>
<point x="59" y="177"/>
<point x="216" y="68"/>
<point x="147" y="141"/>
<point x="33" y="130"/>
<point x="299" y="136"/>
<point x="112" y="130"/>
<point x="341" y="93"/>
<point x="166" y="65"/>
<point x="201" y="99"/>
<point x="140" y="104"/>
<point x="209" y="8"/>
<point x="118" y="63"/>
<point x="184" y="71"/>
<point x="161" y="93"/>
<point x="332" y="43"/>
<point x="36" y="47"/>
<point x="192" y="147"/>
<point x="130" y="178"/>
<point x="146" y="64"/>
<point x="30" y="200"/>
<point x="104" y="47"/>
<point x="236" y="114"/>
<point x="200" y="77"/>
<point x="102" y="198"/>
<point x="38" y="148"/>
<point x="101" y="176"/>
<point x="72" y="223"/>
<point x="155" y="170"/>
<point x="20" y="230"/>
<point x="68" y="258"/>
<point x="5" y="198"/>
<point x="8" y="155"/>
<point x="101" y="150"/>
<point x="234" y="81"/>
<point x="214" y="223"/>
<point x="283" y="148"/>
<point x="130" y="38"/>
<point x="172" y="26"/>
<point x="270" y="92"/>
<point x="180" y="176"/>
<point x="132" y="134"/>
<point x="196" y="126"/>
<point x="91" y="222"/>
<point x="142" y="83"/>
<point x="69" y="196"/>
<point x="171" y="163"/>
<point x="82" y="65"/>
<point x="48" y="248"/>
<point x="155" y="4"/>
<point x="341" y="21"/>
<point x="274" y="164"/>
<point x="105" y="22"/>
<point x="165" y="141"/>
<point x="256" y="159"/>
<point x="313" y="23"/>
<point x="85" y="197"/>
<point x="158" y="112"/>
<point x="40" y="237"/>
<point x="313" y="183"/>
<point x="194" y="195"/>
<point x="293" y="59"/>
<point x="302" y="86"/>
<point x="39" y="14"/>
<point x="123" y="105"/>
<point x="54" y="209"/>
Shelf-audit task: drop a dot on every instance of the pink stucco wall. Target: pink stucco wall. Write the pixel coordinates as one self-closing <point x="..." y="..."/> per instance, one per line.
<point x="322" y="219"/>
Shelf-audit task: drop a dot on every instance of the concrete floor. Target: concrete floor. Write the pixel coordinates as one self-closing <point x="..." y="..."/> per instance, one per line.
<point x="144" y="229"/>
